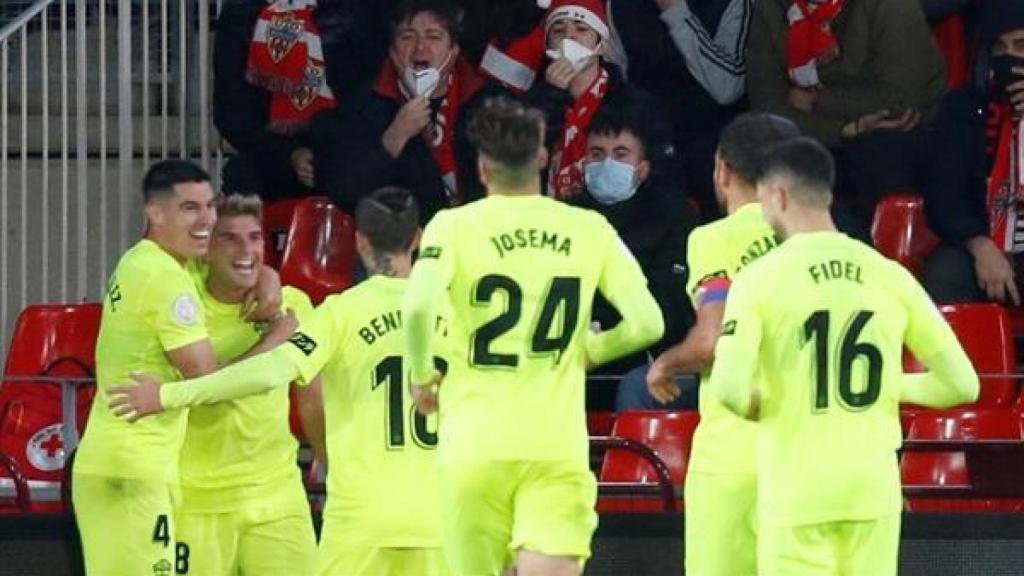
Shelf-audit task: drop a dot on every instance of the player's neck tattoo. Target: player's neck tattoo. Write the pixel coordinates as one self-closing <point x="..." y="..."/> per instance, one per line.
<point x="382" y="265"/>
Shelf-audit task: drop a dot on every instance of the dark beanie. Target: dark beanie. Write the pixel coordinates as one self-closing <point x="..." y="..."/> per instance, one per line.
<point x="999" y="17"/>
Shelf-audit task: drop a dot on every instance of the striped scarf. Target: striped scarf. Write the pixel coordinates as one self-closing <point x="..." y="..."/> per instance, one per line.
<point x="810" y="40"/>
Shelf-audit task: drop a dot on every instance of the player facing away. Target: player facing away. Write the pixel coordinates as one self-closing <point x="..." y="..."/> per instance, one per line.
<point x="244" y="508"/>
<point x="825" y="318"/>
<point x="125" y="476"/>
<point x="382" y="516"/>
<point x="721" y="481"/>
<point x="519" y="271"/>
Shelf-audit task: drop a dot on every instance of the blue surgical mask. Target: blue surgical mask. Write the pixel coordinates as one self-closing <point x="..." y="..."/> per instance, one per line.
<point x="610" y="181"/>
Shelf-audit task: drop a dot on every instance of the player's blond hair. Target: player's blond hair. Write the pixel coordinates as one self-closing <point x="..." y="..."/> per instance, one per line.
<point x="240" y="205"/>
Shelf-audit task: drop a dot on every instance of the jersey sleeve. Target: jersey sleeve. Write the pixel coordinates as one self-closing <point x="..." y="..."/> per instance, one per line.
<point x="708" y="280"/>
<point x="927" y="332"/>
<point x="736" y="357"/>
<point x="174" y="309"/>
<point x="623" y="283"/>
<point x="430" y="278"/>
<point x="313" y="343"/>
<point x="297" y="301"/>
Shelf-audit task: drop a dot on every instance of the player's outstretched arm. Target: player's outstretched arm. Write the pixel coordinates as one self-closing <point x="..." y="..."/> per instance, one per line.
<point x="251" y="376"/>
<point x="694" y="353"/>
<point x="624" y="285"/>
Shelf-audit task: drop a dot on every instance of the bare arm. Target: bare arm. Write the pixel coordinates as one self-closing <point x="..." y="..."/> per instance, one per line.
<point x="693" y="354"/>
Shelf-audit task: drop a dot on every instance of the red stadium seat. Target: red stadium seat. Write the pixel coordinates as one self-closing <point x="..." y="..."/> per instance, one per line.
<point x="600" y="423"/>
<point x="951" y="38"/>
<point x="900" y="232"/>
<point x="320" y="254"/>
<point x="986" y="333"/>
<point x="668" y="433"/>
<point x="277" y="221"/>
<point x="989" y="473"/>
<point x="49" y="341"/>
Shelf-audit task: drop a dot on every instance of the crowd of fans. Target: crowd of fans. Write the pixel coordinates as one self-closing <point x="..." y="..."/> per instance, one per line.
<point x="341" y="97"/>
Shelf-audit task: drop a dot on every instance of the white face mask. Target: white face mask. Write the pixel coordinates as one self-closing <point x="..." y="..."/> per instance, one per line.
<point x="423" y="82"/>
<point x="577" y="54"/>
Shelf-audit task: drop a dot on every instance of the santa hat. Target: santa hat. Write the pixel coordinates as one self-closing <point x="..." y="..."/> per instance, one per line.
<point x="515" y="63"/>
<point x="590" y="12"/>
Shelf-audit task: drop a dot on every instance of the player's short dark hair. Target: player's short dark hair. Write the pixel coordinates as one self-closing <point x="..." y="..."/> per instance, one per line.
<point x="806" y="164"/>
<point x="164" y="175"/>
<point x="743" y="141"/>
<point x="234" y="205"/>
<point x="389" y="218"/>
<point x="446" y="11"/>
<point x="509" y="134"/>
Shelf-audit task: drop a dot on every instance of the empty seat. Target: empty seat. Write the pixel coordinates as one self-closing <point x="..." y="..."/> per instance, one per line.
<point x="49" y="342"/>
<point x="993" y="475"/>
<point x="900" y="232"/>
<point x="986" y="333"/>
<point x="320" y="254"/>
<point x="668" y="433"/>
<point x="277" y="221"/>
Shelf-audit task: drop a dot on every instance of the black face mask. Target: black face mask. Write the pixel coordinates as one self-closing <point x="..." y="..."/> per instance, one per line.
<point x="1002" y="71"/>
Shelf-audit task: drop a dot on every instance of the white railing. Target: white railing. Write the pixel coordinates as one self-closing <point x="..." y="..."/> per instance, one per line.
<point x="91" y="92"/>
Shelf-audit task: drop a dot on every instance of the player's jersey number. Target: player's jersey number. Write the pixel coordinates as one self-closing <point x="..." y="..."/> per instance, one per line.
<point x="391" y="371"/>
<point x="561" y="306"/>
<point x="816" y="331"/>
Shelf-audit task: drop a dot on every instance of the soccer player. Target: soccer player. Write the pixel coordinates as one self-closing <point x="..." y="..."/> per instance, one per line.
<point x="721" y="482"/>
<point x="520" y="271"/>
<point x="825" y="318"/>
<point x="125" y="475"/>
<point x="244" y="508"/>
<point x="382" y="516"/>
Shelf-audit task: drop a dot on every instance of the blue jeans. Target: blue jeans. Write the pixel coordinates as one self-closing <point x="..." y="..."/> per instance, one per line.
<point x="633" y="394"/>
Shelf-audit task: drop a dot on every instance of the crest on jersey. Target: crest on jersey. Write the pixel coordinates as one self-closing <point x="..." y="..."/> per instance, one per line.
<point x="304" y="343"/>
<point x="283" y="33"/>
<point x="186" y="310"/>
<point x="45" y="449"/>
<point x="163" y="568"/>
<point x="729" y="328"/>
<point x="431" y="252"/>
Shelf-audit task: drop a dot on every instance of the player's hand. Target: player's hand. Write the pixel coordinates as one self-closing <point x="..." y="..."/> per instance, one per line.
<point x="302" y="164"/>
<point x="412" y="119"/>
<point x="131" y="402"/>
<point x="994" y="271"/>
<point x="661" y="384"/>
<point x="560" y="73"/>
<point x="263" y="303"/>
<point x="425" y="395"/>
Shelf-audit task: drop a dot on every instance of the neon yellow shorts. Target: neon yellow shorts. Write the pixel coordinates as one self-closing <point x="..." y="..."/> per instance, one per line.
<point x="127" y="526"/>
<point x="721" y="524"/>
<point x="266" y="538"/>
<point x="336" y="558"/>
<point x="492" y="509"/>
<point x="850" y="547"/>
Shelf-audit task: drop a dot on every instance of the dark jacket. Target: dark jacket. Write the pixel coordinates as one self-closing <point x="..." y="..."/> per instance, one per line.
<point x="354" y="40"/>
<point x="354" y="161"/>
<point x="654" y="224"/>
<point x="887" y="61"/>
<point x="955" y="195"/>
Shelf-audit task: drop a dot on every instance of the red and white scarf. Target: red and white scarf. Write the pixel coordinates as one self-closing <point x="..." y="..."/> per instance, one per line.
<point x="286" y="58"/>
<point x="1005" y="184"/>
<point x="810" y="39"/>
<point x="463" y="83"/>
<point x="566" y="180"/>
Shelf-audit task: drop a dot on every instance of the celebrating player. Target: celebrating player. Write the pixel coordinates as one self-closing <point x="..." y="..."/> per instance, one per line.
<point x="152" y="322"/>
<point x="824" y="318"/>
<point x="721" y="483"/>
<point x="520" y="271"/>
<point x="244" y="508"/>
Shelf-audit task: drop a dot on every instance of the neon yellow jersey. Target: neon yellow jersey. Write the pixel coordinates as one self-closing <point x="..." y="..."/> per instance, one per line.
<point x="826" y="317"/>
<point x="152" y="306"/>
<point x="381" y="472"/>
<point x="520" y="273"/>
<point x="723" y="442"/>
<point x="235" y="451"/>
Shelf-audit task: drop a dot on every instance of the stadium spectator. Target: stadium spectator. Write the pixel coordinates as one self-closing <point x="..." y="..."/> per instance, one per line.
<point x="692" y="57"/>
<point x="577" y="79"/>
<point x="862" y="76"/>
<point x="974" y="200"/>
<point x="625" y="181"/>
<point x="402" y="131"/>
<point x="275" y="66"/>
